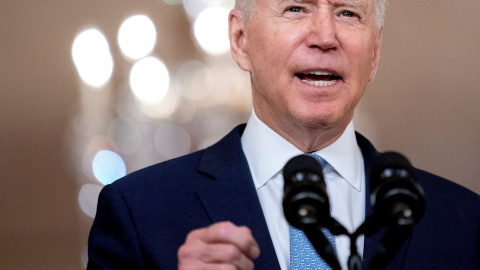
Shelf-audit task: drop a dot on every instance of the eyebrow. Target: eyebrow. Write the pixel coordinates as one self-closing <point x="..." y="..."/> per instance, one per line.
<point x="352" y="3"/>
<point x="345" y="3"/>
<point x="298" y="1"/>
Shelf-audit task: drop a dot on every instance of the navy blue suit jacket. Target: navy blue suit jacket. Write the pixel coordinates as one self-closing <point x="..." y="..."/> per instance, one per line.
<point x="143" y="219"/>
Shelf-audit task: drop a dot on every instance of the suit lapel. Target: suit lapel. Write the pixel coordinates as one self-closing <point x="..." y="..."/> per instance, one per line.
<point x="369" y="153"/>
<point x="232" y="195"/>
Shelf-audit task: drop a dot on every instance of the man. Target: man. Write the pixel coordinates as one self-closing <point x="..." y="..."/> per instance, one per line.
<point x="310" y="62"/>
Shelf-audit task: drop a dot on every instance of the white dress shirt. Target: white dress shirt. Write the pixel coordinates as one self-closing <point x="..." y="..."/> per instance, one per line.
<point x="267" y="153"/>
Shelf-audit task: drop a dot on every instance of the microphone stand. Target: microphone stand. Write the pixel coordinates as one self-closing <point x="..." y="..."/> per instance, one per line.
<point x="321" y="245"/>
<point x="399" y="227"/>
<point x="390" y="243"/>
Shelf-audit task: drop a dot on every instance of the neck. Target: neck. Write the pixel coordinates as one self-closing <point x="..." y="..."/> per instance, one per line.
<point x="307" y="138"/>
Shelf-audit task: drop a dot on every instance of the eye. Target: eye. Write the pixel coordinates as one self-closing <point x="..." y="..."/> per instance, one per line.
<point x="347" y="14"/>
<point x="295" y="9"/>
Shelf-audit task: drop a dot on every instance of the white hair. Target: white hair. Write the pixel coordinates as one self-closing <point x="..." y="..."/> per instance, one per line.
<point x="380" y="6"/>
<point x="247" y="7"/>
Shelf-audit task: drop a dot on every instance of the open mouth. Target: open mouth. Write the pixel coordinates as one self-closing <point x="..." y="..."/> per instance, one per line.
<point x="318" y="78"/>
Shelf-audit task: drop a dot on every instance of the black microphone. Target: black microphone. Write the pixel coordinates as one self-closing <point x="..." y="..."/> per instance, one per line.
<point x="396" y="196"/>
<point x="306" y="205"/>
<point x="398" y="203"/>
<point x="305" y="199"/>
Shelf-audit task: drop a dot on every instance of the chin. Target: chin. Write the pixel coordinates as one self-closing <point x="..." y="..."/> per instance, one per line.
<point x="317" y="121"/>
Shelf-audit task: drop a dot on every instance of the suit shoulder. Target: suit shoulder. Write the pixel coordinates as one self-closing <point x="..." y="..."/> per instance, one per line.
<point x="449" y="197"/>
<point x="177" y="172"/>
<point x="183" y="174"/>
<point x="445" y="187"/>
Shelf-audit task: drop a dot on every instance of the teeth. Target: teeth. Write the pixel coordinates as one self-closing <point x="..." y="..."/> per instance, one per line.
<point x="320" y="73"/>
<point x="320" y="83"/>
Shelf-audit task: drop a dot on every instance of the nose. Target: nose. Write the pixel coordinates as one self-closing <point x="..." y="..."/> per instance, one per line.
<point x="322" y="32"/>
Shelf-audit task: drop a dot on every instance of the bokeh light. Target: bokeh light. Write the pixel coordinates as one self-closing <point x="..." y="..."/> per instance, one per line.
<point x="108" y="166"/>
<point x="94" y="144"/>
<point x="92" y="57"/>
<point x="194" y="7"/>
<point x="125" y="134"/>
<point x="185" y="112"/>
<point x="137" y="37"/>
<point x="173" y="2"/>
<point x="172" y="141"/>
<point x="196" y="80"/>
<point x="84" y="257"/>
<point x="211" y="30"/>
<point x="149" y="80"/>
<point x="88" y="198"/>
<point x="222" y="93"/>
<point x="209" y="141"/>
<point x="163" y="109"/>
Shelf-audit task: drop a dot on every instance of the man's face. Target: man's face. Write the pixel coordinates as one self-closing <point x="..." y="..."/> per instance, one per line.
<point x="310" y="60"/>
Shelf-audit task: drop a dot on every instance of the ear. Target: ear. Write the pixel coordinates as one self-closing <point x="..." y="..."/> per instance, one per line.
<point x="238" y="39"/>
<point x="376" y="54"/>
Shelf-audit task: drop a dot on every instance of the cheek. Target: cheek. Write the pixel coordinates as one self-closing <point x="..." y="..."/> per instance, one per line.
<point x="282" y="42"/>
<point x="275" y="52"/>
<point x="361" y="60"/>
<point x="359" y="48"/>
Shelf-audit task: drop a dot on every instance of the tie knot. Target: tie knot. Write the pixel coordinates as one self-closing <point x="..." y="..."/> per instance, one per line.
<point x="322" y="161"/>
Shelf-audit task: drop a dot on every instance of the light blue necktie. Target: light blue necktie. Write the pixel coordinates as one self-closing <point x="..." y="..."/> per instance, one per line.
<point x="302" y="254"/>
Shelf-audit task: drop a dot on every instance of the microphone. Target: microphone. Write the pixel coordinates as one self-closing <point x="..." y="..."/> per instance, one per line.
<point x="398" y="203"/>
<point x="306" y="205"/>
<point x="305" y="199"/>
<point x="396" y="196"/>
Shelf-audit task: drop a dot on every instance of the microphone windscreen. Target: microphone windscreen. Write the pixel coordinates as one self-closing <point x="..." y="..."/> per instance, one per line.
<point x="396" y="196"/>
<point x="305" y="198"/>
<point x="301" y="163"/>
<point x="388" y="160"/>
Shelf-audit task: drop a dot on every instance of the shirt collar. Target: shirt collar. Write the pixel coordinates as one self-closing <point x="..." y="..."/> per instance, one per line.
<point x="345" y="156"/>
<point x="267" y="153"/>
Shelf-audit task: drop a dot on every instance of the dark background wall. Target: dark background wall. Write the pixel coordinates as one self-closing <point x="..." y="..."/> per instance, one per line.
<point x="423" y="102"/>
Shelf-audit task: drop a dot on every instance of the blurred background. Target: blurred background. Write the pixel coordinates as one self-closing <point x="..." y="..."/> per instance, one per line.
<point x="93" y="90"/>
